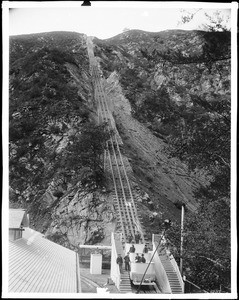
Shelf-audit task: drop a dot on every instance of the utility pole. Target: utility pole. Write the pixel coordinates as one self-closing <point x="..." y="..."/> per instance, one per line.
<point x="181" y="247"/>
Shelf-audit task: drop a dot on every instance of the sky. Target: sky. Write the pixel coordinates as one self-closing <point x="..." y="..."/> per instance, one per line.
<point x="102" y="19"/>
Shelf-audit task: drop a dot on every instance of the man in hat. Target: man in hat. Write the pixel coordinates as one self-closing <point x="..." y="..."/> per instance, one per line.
<point x="132" y="249"/>
<point x="146" y="249"/>
<point x="119" y="261"/>
<point x="126" y="262"/>
<point x="143" y="260"/>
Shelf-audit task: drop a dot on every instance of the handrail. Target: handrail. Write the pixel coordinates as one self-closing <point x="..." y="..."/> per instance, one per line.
<point x="176" y="268"/>
<point x="172" y="262"/>
<point x="115" y="271"/>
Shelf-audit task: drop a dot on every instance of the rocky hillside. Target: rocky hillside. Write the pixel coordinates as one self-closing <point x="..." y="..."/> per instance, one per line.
<point x="151" y="79"/>
<point x="50" y="105"/>
<point x="157" y="83"/>
<point x="170" y="94"/>
<point x="172" y="66"/>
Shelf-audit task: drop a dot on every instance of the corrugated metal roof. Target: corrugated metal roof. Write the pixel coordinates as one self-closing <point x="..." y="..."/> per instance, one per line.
<point x="16" y="217"/>
<point x="39" y="265"/>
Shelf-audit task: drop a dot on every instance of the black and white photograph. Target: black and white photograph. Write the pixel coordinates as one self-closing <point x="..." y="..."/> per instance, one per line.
<point x="119" y="149"/>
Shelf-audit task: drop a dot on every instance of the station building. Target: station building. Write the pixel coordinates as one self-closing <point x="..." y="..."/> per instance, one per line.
<point x="36" y="264"/>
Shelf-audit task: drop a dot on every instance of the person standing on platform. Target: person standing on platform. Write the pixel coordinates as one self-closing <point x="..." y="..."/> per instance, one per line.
<point x="119" y="261"/>
<point x="132" y="249"/>
<point x="127" y="262"/>
<point x="143" y="260"/>
<point x="146" y="249"/>
<point x="137" y="238"/>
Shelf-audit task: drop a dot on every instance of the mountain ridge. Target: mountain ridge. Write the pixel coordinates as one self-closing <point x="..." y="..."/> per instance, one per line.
<point x="155" y="89"/>
<point x="73" y="50"/>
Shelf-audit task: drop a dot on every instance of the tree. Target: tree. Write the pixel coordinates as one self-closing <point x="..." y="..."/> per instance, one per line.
<point x="207" y="251"/>
<point x="217" y="20"/>
<point x="206" y="139"/>
<point x="86" y="150"/>
<point x="206" y="246"/>
<point x="205" y="144"/>
<point x="216" y="47"/>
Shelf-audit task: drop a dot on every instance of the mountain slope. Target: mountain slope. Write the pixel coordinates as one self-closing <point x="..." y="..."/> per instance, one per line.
<point x="150" y="79"/>
<point x="157" y="77"/>
<point x="50" y="104"/>
<point x="177" y="84"/>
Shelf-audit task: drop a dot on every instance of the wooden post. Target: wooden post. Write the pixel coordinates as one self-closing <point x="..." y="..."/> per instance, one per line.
<point x="181" y="247"/>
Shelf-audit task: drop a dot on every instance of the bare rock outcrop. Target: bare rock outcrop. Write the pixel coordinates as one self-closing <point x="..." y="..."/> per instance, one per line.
<point x="82" y="217"/>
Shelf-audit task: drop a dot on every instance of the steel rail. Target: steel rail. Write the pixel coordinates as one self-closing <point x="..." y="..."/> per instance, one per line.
<point x="117" y="173"/>
<point x="117" y="169"/>
<point x="133" y="213"/>
<point x="115" y="187"/>
<point x="126" y="209"/>
<point x="131" y="216"/>
<point x="120" y="213"/>
<point x="114" y="176"/>
<point x="100" y="111"/>
<point x="123" y="191"/>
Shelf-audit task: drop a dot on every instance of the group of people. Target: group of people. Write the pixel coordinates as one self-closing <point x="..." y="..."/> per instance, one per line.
<point x="130" y="238"/>
<point x="119" y="261"/>
<point x="138" y="258"/>
<point x="132" y="249"/>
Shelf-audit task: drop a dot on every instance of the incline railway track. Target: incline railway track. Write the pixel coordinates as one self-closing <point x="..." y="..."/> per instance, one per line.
<point x="127" y="216"/>
<point x="128" y="220"/>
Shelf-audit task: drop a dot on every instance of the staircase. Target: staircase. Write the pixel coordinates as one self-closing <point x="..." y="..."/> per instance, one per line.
<point x="125" y="285"/>
<point x="171" y="274"/>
